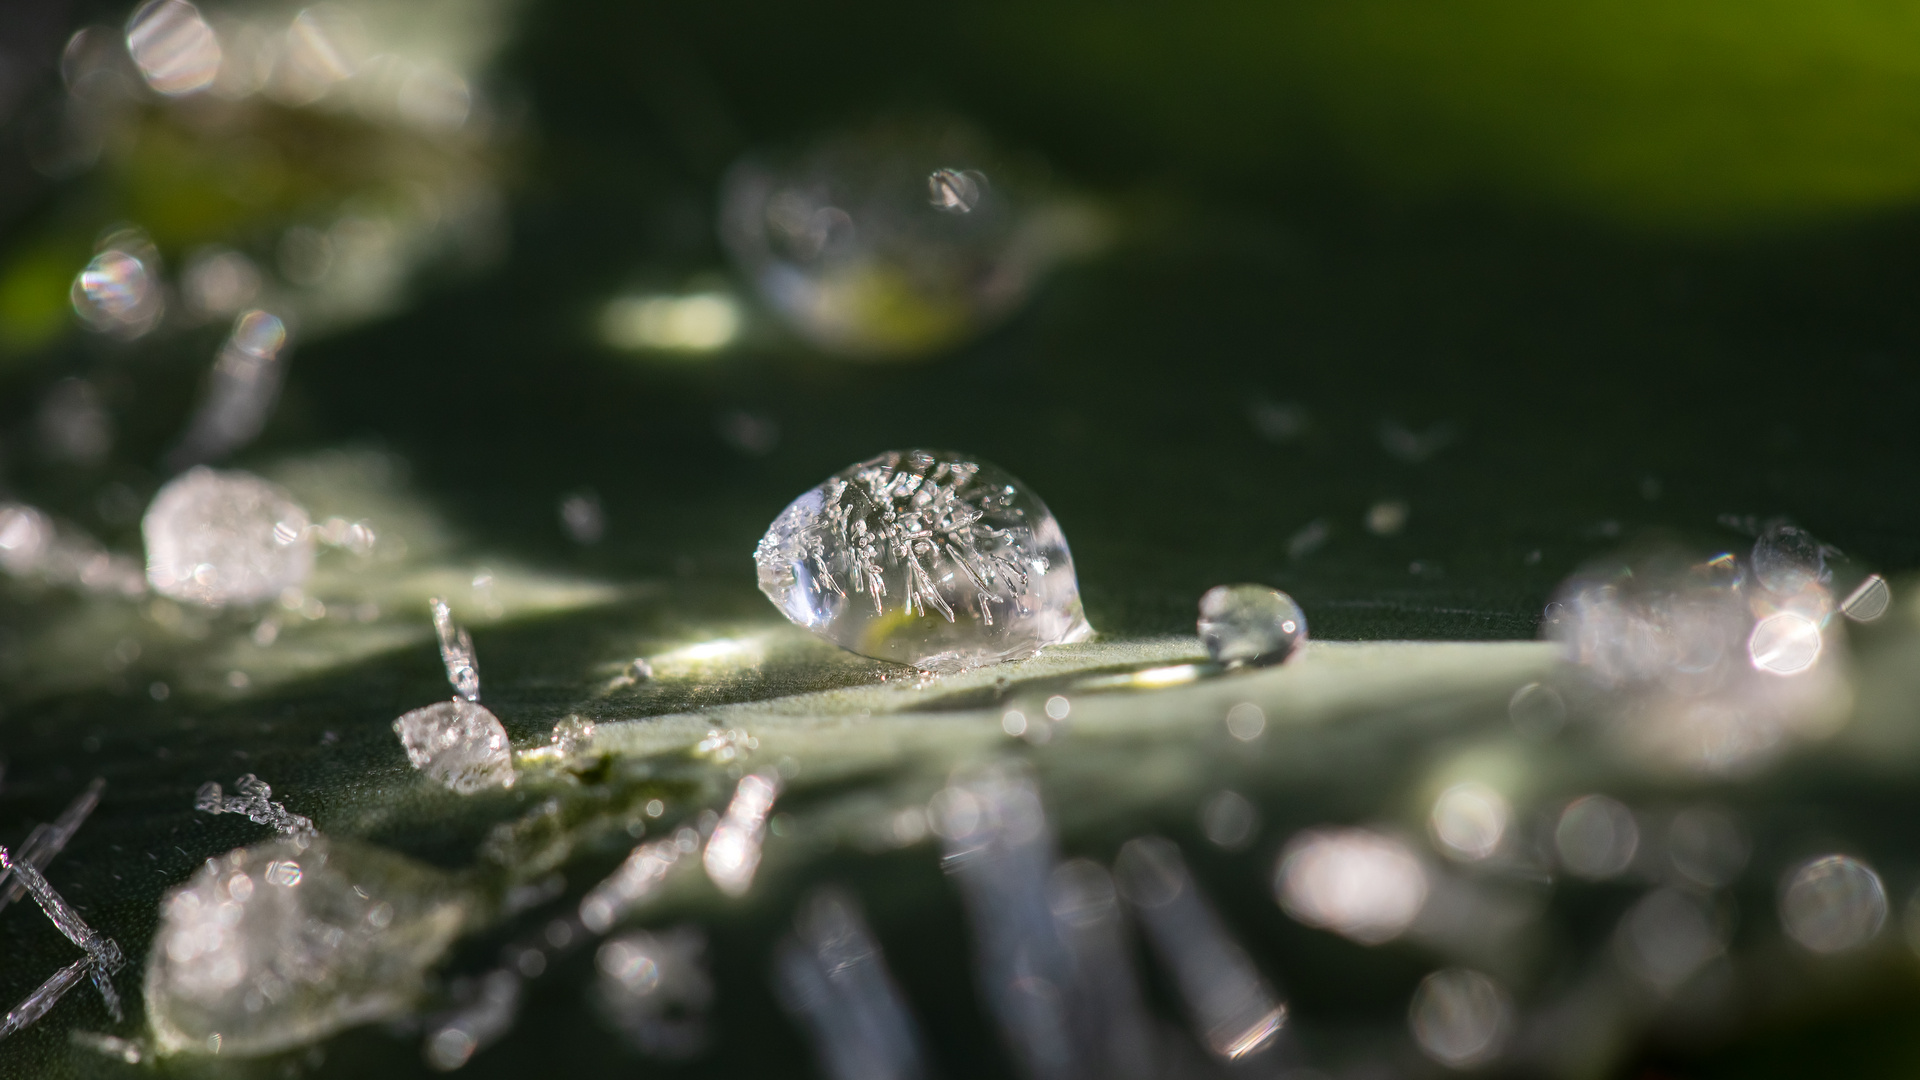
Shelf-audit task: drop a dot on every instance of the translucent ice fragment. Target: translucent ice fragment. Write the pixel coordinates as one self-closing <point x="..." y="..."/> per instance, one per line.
<point x="459" y="743"/>
<point x="456" y="652"/>
<point x="220" y="538"/>
<point x="241" y="392"/>
<point x="48" y="840"/>
<point x="927" y="558"/>
<point x="636" y="880"/>
<point x="45" y="997"/>
<point x="832" y="976"/>
<point x="655" y="989"/>
<point x="251" y="959"/>
<point x="1234" y="1010"/>
<point x="253" y="800"/>
<point x="873" y="242"/>
<point x="1251" y="625"/>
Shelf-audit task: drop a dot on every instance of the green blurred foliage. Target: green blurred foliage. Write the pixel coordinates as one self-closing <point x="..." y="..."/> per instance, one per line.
<point x="1710" y="115"/>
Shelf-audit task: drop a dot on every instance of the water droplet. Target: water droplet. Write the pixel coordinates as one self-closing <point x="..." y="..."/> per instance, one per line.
<point x="1787" y="559"/>
<point x="1251" y="624"/>
<point x="1461" y="1018"/>
<point x="956" y="191"/>
<point x="1358" y="883"/>
<point x="1833" y="904"/>
<point x="924" y="558"/>
<point x="174" y="48"/>
<point x="1470" y="820"/>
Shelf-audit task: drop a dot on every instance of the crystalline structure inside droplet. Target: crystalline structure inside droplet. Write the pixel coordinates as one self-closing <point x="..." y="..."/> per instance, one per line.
<point x="281" y="943"/>
<point x="218" y="537"/>
<point x="891" y="240"/>
<point x="926" y="558"/>
<point x="1251" y="625"/>
<point x="459" y="743"/>
<point x="1701" y="663"/>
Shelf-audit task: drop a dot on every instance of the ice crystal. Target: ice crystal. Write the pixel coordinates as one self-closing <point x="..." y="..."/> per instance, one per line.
<point x="456" y="652"/>
<point x="103" y="957"/>
<point x="219" y="538"/>
<point x="459" y="743"/>
<point x="253" y="801"/>
<point x="241" y="393"/>
<point x="280" y="943"/>
<point x="926" y="558"/>
<point x="636" y="881"/>
<point x="48" y="840"/>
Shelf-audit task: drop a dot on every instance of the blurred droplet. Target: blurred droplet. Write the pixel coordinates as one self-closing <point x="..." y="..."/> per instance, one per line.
<point x="325" y="45"/>
<point x="26" y="534"/>
<point x="1787" y="559"/>
<point x="1833" y="904"/>
<point x="241" y="394"/>
<point x="219" y="538"/>
<point x="117" y="292"/>
<point x="1784" y="643"/>
<point x="1229" y="820"/>
<point x="1251" y="625"/>
<point x="72" y="425"/>
<point x="699" y="322"/>
<point x="1355" y="882"/>
<point x="956" y="191"/>
<point x="1461" y="1018"/>
<point x="1869" y="600"/>
<point x="175" y="49"/>
<point x="305" y="255"/>
<point x="219" y="282"/>
<point x="1669" y="935"/>
<point x="831" y="976"/>
<point x="1537" y="710"/>
<point x="1278" y="422"/>
<point x="582" y="516"/>
<point x="434" y="98"/>
<point x="1596" y="837"/>
<point x="1470" y="820"/>
<point x="655" y="989"/>
<point x="1387" y="518"/>
<point x="1708" y="846"/>
<point x="1246" y="721"/>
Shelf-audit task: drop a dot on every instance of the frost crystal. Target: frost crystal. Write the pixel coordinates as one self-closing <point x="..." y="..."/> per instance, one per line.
<point x="278" y="944"/>
<point x="456" y="652"/>
<point x="46" y="841"/>
<point x="733" y="853"/>
<point x="241" y="393"/>
<point x="458" y="743"/>
<point x="103" y="957"/>
<point x="636" y="881"/>
<point x="252" y="801"/>
<point x="927" y="558"/>
<point x="219" y="538"/>
<point x="832" y="976"/>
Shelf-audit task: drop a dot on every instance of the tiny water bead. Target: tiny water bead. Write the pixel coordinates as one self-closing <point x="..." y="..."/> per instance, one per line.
<point x="927" y="558"/>
<point x="1251" y="625"/>
<point x="218" y="537"/>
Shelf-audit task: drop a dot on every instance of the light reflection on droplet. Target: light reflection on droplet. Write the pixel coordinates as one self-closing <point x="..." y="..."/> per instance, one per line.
<point x="1229" y="820"/>
<point x="174" y="48"/>
<point x="1787" y="559"/>
<point x="699" y="322"/>
<point x="1470" y="820"/>
<point x="1596" y="837"/>
<point x="113" y="289"/>
<point x="1784" y="643"/>
<point x="1833" y="904"/>
<point x="1869" y="600"/>
<point x="1246" y="721"/>
<point x="1355" y="882"/>
<point x="1461" y="1018"/>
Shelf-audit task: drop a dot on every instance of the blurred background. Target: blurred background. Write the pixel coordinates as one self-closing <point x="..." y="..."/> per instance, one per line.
<point x="1409" y="310"/>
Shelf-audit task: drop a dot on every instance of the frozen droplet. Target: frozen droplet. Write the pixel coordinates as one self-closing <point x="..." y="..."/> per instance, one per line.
<point x="866" y="244"/>
<point x="174" y="48"/>
<point x="1461" y="1018"/>
<point x="1251" y="625"/>
<point x="1833" y="904"/>
<point x="1597" y="837"/>
<point x="219" y="538"/>
<point x="925" y="558"/>
<point x="459" y="743"/>
<point x="956" y="191"/>
<point x="320" y="937"/>
<point x="1358" y="883"/>
<point x="1470" y="820"/>
<point x="1788" y="559"/>
<point x="1869" y="600"/>
<point x="456" y="651"/>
